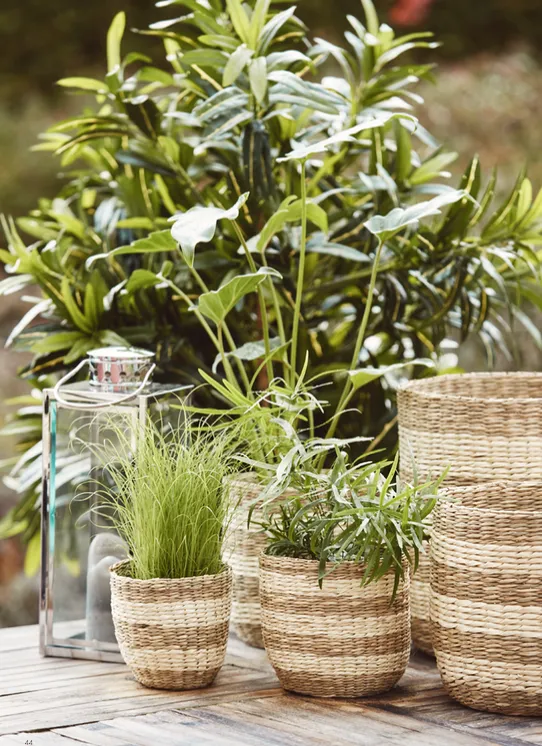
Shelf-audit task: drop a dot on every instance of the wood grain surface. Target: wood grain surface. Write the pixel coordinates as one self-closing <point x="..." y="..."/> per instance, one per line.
<point x="62" y="702"/>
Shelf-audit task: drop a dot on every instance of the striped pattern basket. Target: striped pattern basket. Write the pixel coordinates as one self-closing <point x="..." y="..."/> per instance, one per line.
<point x="343" y="640"/>
<point x="172" y="633"/>
<point x="484" y="426"/>
<point x="242" y="549"/>
<point x="486" y="596"/>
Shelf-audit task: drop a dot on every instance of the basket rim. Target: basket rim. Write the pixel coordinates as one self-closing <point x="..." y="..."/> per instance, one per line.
<point x="419" y="387"/>
<point x="225" y="572"/>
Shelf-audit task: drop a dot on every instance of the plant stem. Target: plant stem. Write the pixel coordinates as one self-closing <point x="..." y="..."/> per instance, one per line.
<point x="212" y="336"/>
<point x="231" y="342"/>
<point x="300" y="271"/>
<point x="261" y="300"/>
<point x="345" y="396"/>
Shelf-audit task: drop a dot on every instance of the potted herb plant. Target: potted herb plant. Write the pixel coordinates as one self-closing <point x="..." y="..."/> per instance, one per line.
<point x="334" y="577"/>
<point x="171" y="599"/>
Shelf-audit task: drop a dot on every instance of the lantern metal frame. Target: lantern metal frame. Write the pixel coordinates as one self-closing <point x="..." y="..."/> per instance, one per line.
<point x="78" y="396"/>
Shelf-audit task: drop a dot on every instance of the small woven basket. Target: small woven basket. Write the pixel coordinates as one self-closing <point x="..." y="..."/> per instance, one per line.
<point x="484" y="427"/>
<point x="344" y="640"/>
<point x="242" y="547"/>
<point x="486" y="596"/>
<point x="172" y="633"/>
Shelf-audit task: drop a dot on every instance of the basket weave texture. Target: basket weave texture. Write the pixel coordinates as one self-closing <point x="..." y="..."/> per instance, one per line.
<point x="242" y="548"/>
<point x="344" y="640"/>
<point x="484" y="427"/>
<point x="486" y="596"/>
<point x="172" y="633"/>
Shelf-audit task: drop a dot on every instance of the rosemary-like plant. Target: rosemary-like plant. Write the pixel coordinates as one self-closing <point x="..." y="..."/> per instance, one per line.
<point x="167" y="498"/>
<point x="353" y="512"/>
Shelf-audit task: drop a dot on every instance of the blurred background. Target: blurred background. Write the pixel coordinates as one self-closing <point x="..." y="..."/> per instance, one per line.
<point x="487" y="98"/>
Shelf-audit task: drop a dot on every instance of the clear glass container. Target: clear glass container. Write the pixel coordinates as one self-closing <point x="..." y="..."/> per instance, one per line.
<point x="78" y="542"/>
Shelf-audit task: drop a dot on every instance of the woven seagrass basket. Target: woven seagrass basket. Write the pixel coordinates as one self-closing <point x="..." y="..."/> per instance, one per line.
<point x="172" y="633"/>
<point x="344" y="640"/>
<point x="242" y="547"/>
<point x="486" y="596"/>
<point x="485" y="427"/>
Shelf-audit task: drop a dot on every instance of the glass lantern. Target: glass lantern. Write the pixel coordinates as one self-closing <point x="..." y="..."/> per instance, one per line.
<point x="78" y="542"/>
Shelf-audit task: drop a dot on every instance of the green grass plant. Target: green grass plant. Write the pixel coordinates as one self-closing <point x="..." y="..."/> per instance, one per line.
<point x="168" y="498"/>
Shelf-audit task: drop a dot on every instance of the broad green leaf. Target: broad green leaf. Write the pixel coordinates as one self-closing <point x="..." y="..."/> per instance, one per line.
<point x="363" y="376"/>
<point x="155" y="243"/>
<point x="386" y="226"/>
<point x="77" y="317"/>
<point x="258" y="78"/>
<point x="432" y="168"/>
<point x="272" y="27"/>
<point x="56" y="342"/>
<point x="348" y="135"/>
<point x="239" y="19"/>
<point x="216" y="304"/>
<point x="315" y="214"/>
<point x="142" y="278"/>
<point x="257" y="21"/>
<point x="114" y="38"/>
<point x="85" y="84"/>
<point x="198" y="225"/>
<point x="251" y="351"/>
<point x="282" y="60"/>
<point x="236" y="64"/>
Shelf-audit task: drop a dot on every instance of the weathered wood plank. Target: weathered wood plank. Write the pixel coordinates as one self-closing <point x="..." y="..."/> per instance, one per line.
<point x="66" y="702"/>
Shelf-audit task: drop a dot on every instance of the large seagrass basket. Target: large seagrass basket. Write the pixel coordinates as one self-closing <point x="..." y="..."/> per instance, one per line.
<point x="484" y="427"/>
<point x="344" y="640"/>
<point x="172" y="633"/>
<point x="486" y="596"/>
<point x="242" y="548"/>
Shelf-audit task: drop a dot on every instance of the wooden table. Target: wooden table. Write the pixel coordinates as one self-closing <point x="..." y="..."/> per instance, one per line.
<point x="62" y="702"/>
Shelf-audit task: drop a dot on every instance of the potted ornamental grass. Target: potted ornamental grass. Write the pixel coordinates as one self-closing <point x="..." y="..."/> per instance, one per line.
<point x="335" y="573"/>
<point x="171" y="599"/>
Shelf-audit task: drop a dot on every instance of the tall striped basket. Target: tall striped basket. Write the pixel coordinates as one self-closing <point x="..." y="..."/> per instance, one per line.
<point x="484" y="427"/>
<point x="486" y="596"/>
<point x="242" y="549"/>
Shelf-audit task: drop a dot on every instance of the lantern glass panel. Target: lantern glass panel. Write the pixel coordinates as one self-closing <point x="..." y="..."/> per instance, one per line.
<point x="79" y="543"/>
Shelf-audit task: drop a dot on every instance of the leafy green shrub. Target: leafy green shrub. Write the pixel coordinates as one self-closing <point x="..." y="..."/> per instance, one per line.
<point x="350" y="272"/>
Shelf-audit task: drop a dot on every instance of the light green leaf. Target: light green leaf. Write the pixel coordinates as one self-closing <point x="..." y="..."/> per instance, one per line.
<point x="85" y="84"/>
<point x="432" y="168"/>
<point x="363" y="376"/>
<point x="198" y="225"/>
<point x="216" y="304"/>
<point x="155" y="243"/>
<point x="257" y="21"/>
<point x="371" y="17"/>
<point x="367" y="123"/>
<point x="386" y="226"/>
<point x="114" y="38"/>
<point x="239" y="19"/>
<point x="76" y="315"/>
<point x="258" y="78"/>
<point x="314" y="213"/>
<point x="251" y="351"/>
<point x="32" y="556"/>
<point x="57" y="342"/>
<point x="236" y="64"/>
<point x="142" y="278"/>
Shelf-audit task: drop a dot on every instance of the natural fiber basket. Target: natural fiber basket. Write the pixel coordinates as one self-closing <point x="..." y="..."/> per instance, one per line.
<point x="484" y="427"/>
<point x="344" y="640"/>
<point x="242" y="547"/>
<point x="171" y="632"/>
<point x="486" y="596"/>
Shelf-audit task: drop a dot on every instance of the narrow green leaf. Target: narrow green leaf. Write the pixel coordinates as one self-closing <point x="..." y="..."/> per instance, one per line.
<point x="114" y="38"/>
